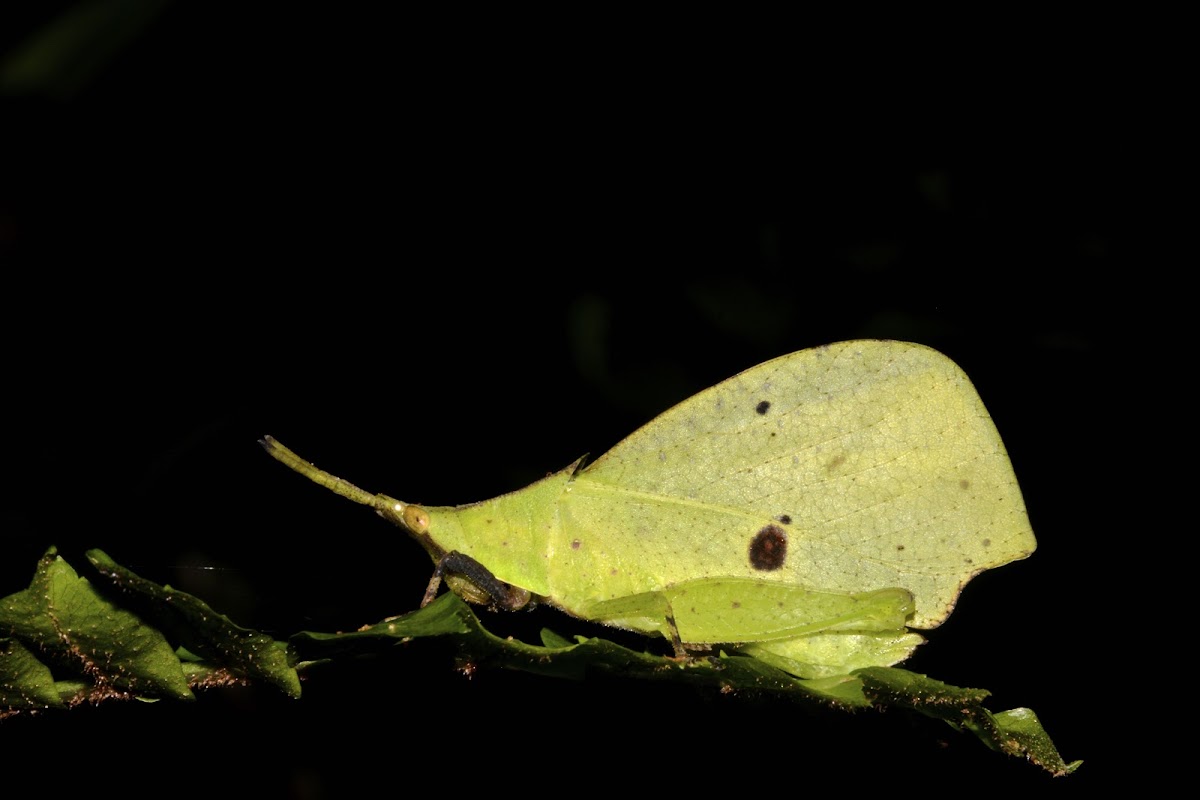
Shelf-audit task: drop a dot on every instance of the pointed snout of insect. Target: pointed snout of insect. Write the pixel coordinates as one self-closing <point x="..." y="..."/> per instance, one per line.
<point x="389" y="507"/>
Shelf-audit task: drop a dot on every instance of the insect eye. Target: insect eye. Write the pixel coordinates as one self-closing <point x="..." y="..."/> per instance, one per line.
<point x="416" y="519"/>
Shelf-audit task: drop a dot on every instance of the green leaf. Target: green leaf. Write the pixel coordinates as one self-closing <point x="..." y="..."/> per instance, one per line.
<point x="1025" y="735"/>
<point x="25" y="682"/>
<point x="65" y="619"/>
<point x="243" y="652"/>
<point x="1016" y="732"/>
<point x="66" y="643"/>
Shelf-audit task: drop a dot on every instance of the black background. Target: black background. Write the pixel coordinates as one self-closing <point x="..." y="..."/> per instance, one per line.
<point x="442" y="258"/>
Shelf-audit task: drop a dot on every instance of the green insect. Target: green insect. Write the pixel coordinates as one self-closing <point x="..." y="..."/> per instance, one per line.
<point x="808" y="511"/>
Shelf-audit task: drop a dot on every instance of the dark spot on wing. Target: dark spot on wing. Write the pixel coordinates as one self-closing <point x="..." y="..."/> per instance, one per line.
<point x="762" y="407"/>
<point x="574" y="544"/>
<point x="987" y="542"/>
<point x="768" y="549"/>
<point x="899" y="547"/>
<point x="836" y="462"/>
<point x="964" y="484"/>
<point x="785" y="519"/>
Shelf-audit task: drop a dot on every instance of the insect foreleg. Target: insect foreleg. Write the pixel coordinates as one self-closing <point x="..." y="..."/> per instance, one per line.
<point x="475" y="583"/>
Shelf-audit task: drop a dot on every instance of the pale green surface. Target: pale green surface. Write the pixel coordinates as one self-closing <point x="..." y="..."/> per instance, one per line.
<point x="876" y="459"/>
